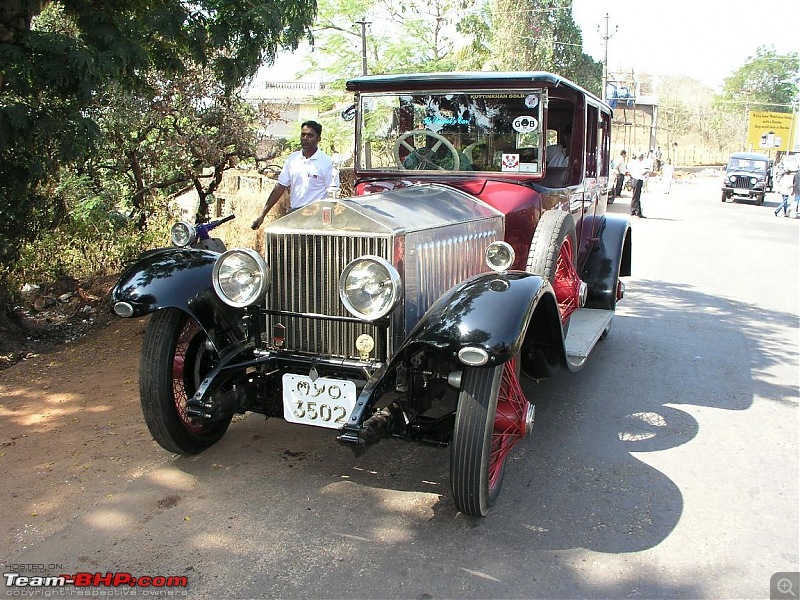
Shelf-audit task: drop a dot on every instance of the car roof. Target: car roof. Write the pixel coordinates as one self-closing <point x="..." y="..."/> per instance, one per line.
<point x="463" y="80"/>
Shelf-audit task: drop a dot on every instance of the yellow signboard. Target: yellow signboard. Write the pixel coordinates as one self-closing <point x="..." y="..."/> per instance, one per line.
<point x="769" y="131"/>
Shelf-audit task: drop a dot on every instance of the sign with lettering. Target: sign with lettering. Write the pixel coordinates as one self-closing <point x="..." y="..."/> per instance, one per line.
<point x="769" y="131"/>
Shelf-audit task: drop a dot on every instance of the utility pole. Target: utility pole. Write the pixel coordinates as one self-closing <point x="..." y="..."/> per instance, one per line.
<point x="606" y="37"/>
<point x="363" y="22"/>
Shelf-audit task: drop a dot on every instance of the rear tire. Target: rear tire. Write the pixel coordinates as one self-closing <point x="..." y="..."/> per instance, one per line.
<point x="552" y="255"/>
<point x="174" y="361"/>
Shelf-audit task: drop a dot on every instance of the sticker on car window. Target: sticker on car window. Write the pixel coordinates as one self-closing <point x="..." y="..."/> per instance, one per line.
<point x="525" y="124"/>
<point x="510" y="162"/>
<point x="531" y="101"/>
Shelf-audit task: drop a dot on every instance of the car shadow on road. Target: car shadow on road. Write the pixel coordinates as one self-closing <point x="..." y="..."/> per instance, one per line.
<point x="294" y="499"/>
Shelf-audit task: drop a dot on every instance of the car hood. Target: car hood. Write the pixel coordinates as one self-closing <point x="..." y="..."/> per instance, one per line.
<point x="396" y="212"/>
<point x="742" y="173"/>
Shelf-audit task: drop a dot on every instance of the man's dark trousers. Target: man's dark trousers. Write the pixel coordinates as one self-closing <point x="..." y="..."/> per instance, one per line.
<point x="636" y="199"/>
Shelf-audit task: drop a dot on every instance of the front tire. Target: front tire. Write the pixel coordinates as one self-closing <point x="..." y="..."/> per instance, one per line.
<point x="492" y="416"/>
<point x="174" y="361"/>
<point x="724" y="196"/>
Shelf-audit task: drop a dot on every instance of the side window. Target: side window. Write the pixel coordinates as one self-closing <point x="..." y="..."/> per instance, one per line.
<point x="604" y="147"/>
<point x="592" y="140"/>
<point x="561" y="145"/>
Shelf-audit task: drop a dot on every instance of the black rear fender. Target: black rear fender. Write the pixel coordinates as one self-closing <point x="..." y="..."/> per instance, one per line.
<point x="609" y="259"/>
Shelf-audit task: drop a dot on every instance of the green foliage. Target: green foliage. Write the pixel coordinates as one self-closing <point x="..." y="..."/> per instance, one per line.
<point x="765" y="80"/>
<point x="74" y="75"/>
<point x="450" y="35"/>
<point x="401" y="37"/>
<point x="542" y="36"/>
<point x="477" y="27"/>
<point x="177" y="131"/>
<point x="93" y="239"/>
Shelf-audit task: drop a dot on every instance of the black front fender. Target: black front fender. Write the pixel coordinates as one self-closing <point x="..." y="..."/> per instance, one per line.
<point x="180" y="278"/>
<point x="490" y="311"/>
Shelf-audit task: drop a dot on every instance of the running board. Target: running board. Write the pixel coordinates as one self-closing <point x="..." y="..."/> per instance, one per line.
<point x="586" y="325"/>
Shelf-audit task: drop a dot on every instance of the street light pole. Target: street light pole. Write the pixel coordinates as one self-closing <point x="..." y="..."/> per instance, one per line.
<point x="363" y="22"/>
<point x="606" y="37"/>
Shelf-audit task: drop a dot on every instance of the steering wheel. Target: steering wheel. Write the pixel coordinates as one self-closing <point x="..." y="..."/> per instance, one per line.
<point x="425" y="161"/>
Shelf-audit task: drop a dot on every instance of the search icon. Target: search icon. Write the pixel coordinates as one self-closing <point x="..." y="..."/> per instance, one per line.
<point x="785" y="586"/>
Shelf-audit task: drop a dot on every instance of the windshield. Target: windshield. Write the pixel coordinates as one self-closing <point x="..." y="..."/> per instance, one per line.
<point x="746" y="164"/>
<point x="451" y="132"/>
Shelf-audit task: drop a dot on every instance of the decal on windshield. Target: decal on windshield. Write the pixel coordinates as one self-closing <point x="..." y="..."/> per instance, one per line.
<point x="510" y="162"/>
<point x="525" y="124"/>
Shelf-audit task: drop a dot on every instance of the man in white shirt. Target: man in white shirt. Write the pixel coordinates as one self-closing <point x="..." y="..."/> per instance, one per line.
<point x="307" y="173"/>
<point x="637" y="169"/>
<point x="620" y="168"/>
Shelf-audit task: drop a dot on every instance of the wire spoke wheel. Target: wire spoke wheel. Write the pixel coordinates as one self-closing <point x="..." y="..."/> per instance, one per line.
<point x="566" y="283"/>
<point x="185" y="381"/>
<point x="492" y="416"/>
<point x="174" y="361"/>
<point x="552" y="255"/>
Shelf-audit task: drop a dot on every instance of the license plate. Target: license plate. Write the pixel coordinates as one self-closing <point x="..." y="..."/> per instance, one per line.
<point x="322" y="402"/>
<point x="741" y="191"/>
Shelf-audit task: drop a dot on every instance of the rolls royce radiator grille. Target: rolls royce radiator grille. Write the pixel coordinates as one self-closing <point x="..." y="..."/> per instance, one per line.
<point x="304" y="278"/>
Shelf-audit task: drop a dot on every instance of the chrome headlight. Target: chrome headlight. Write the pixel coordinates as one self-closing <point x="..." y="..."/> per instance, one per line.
<point x="732" y="178"/>
<point x="499" y="256"/>
<point x="753" y="180"/>
<point x="182" y="234"/>
<point x="369" y="287"/>
<point x="240" y="277"/>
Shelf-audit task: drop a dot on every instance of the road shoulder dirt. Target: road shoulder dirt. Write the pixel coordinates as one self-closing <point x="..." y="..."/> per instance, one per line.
<point x="72" y="432"/>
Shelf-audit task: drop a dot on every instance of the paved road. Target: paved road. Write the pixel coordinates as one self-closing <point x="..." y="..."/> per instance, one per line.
<point x="667" y="468"/>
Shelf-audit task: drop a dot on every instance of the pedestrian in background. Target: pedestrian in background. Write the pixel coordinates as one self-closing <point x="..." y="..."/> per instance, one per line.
<point x="667" y="172"/>
<point x="637" y="170"/>
<point x="649" y="166"/>
<point x="796" y="192"/>
<point x="620" y="168"/>
<point x="785" y="188"/>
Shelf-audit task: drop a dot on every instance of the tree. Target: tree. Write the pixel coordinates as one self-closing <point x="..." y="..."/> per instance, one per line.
<point x="60" y="62"/>
<point x="767" y="81"/>
<point x="542" y="36"/>
<point x="186" y="131"/>
<point x="410" y="36"/>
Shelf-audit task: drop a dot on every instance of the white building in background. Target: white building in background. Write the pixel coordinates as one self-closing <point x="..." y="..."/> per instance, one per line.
<point x="295" y="99"/>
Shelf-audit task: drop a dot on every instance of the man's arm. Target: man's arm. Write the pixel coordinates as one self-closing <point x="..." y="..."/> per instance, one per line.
<point x="274" y="196"/>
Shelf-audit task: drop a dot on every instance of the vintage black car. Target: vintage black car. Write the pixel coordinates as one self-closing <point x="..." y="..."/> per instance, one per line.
<point x="747" y="175"/>
<point x="475" y="254"/>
